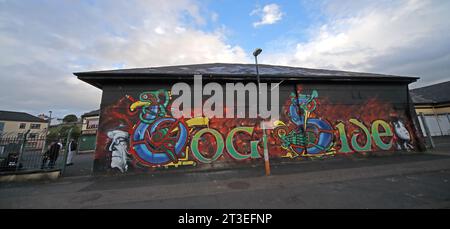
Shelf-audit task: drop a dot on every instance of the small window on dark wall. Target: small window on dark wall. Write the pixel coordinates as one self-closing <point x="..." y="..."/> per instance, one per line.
<point x="22" y="125"/>
<point x="35" y="126"/>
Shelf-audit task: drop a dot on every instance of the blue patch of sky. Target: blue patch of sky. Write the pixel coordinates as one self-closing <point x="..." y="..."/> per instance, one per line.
<point x="299" y="17"/>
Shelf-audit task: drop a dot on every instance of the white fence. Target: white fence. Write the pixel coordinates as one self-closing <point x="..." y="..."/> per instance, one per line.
<point x="438" y="125"/>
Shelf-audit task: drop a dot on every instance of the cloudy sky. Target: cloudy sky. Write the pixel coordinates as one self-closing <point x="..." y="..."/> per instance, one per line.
<point x="42" y="42"/>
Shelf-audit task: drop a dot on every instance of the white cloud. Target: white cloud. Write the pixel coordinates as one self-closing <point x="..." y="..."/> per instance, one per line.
<point x="214" y="17"/>
<point x="42" y="45"/>
<point x="159" y="30"/>
<point x="406" y="38"/>
<point x="269" y="14"/>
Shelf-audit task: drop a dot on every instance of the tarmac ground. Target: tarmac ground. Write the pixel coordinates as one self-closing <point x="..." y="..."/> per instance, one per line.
<point x="417" y="180"/>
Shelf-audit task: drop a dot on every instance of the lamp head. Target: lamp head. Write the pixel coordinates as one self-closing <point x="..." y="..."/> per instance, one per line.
<point x="257" y="52"/>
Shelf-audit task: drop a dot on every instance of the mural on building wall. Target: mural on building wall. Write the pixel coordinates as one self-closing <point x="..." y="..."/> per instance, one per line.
<point x="140" y="133"/>
<point x="309" y="135"/>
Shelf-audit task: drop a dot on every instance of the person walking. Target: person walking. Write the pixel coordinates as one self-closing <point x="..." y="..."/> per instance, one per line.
<point x="54" y="153"/>
<point x="46" y="156"/>
<point x="72" y="148"/>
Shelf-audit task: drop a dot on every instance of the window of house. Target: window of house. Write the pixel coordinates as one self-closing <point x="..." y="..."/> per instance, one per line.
<point x="35" y="126"/>
<point x="22" y="125"/>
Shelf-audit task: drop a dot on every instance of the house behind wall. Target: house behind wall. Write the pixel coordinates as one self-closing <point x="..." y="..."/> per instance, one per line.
<point x="88" y="137"/>
<point x="434" y="103"/>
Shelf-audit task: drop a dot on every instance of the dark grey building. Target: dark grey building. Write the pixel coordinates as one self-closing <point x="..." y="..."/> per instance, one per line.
<point x="323" y="113"/>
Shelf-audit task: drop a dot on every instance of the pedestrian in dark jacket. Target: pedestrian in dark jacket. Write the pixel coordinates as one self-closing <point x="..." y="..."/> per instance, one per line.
<point x="52" y="154"/>
<point x="46" y="156"/>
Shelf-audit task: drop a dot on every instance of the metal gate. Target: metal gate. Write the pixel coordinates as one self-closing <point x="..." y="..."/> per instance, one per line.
<point x="25" y="152"/>
<point x="436" y="129"/>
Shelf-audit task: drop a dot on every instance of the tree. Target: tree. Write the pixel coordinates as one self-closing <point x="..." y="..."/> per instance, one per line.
<point x="70" y="118"/>
<point x="62" y="131"/>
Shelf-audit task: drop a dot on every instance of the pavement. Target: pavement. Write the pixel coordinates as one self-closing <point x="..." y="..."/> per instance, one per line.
<point x="82" y="165"/>
<point x="442" y="142"/>
<point x="401" y="181"/>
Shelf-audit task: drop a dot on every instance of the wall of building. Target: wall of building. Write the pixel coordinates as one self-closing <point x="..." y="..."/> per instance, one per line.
<point x="138" y="133"/>
<point x="13" y="127"/>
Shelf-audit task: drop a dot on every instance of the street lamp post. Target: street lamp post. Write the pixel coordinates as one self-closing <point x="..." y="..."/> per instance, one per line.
<point x="266" y="152"/>
<point x="46" y="132"/>
<point x="50" y="119"/>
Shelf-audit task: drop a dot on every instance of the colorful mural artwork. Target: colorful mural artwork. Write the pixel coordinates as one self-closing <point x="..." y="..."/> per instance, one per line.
<point x="141" y="134"/>
<point x="310" y="135"/>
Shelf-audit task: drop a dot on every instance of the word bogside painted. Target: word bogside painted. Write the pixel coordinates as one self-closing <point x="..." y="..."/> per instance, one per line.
<point x="138" y="133"/>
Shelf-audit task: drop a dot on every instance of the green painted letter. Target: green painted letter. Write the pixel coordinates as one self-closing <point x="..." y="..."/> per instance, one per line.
<point x="345" y="148"/>
<point x="377" y="135"/>
<point x="194" y="145"/>
<point x="355" y="145"/>
<point x="230" y="146"/>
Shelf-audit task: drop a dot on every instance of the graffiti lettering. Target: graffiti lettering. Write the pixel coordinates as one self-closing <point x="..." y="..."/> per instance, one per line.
<point x="148" y="132"/>
<point x="195" y="148"/>
<point x="230" y="148"/>
<point x="377" y="135"/>
<point x="366" y="138"/>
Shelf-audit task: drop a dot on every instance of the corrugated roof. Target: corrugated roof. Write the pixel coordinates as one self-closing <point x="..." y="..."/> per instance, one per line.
<point x="433" y="94"/>
<point x="19" y="117"/>
<point x="228" y="71"/>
